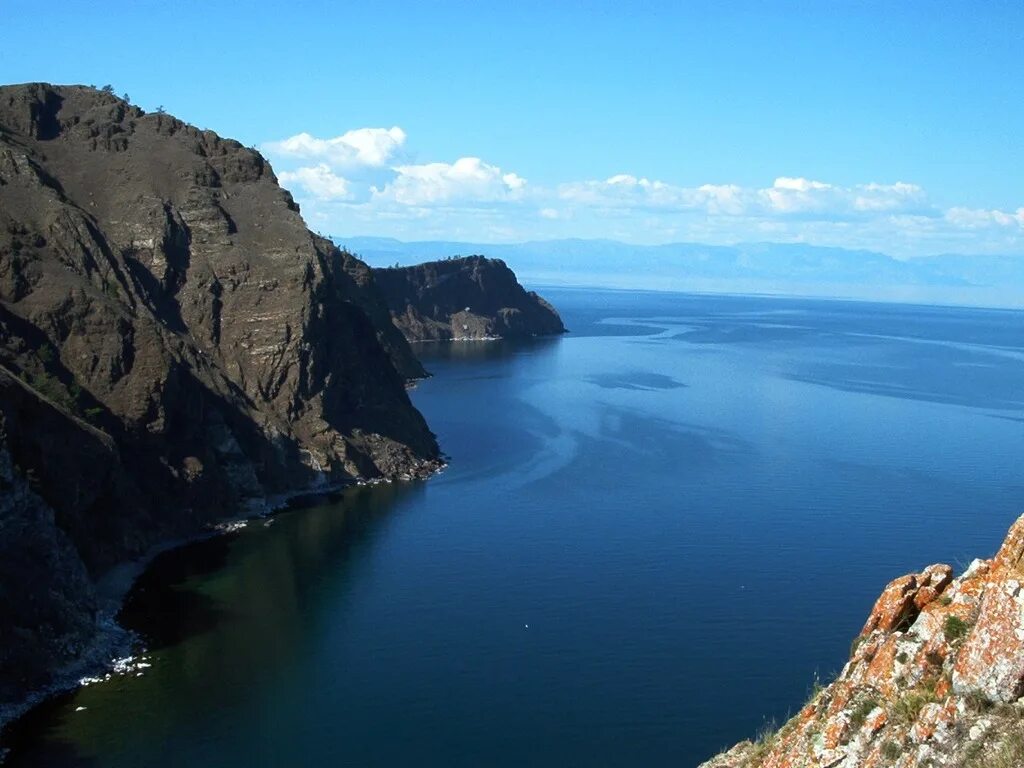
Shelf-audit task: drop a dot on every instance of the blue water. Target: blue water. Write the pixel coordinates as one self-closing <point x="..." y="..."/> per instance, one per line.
<point x="652" y="536"/>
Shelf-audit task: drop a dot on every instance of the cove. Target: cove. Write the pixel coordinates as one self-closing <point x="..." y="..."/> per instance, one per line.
<point x="653" y="533"/>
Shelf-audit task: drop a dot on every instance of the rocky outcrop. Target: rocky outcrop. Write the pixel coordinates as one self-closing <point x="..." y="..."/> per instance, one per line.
<point x="934" y="679"/>
<point x="464" y="298"/>
<point x="991" y="661"/>
<point x="175" y="347"/>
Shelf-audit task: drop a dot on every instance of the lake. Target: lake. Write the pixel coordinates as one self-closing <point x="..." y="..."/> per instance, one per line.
<point x="654" y="533"/>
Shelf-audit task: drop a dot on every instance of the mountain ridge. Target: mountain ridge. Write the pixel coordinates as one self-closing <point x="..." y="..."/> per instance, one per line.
<point x="471" y="297"/>
<point x="176" y="348"/>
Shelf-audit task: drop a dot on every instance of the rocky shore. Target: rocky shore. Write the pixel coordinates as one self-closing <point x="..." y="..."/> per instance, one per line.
<point x="935" y="679"/>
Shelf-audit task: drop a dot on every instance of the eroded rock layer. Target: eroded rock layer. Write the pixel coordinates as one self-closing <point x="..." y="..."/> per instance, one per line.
<point x="934" y="679"/>
<point x="175" y="347"/>
<point x="464" y="298"/>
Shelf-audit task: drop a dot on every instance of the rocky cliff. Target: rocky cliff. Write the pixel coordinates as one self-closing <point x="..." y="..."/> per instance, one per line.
<point x="464" y="298"/>
<point x="175" y="347"/>
<point x="934" y="680"/>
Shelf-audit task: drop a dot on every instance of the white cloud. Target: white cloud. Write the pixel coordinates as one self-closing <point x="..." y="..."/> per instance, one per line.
<point x="368" y="147"/>
<point x="887" y="197"/>
<point x="624" y="191"/>
<point x="803" y="196"/>
<point x="787" y="195"/>
<point x="725" y="199"/>
<point x="799" y="184"/>
<point x="467" y="180"/>
<point x="978" y="218"/>
<point x="319" y="180"/>
<point x="364" y="181"/>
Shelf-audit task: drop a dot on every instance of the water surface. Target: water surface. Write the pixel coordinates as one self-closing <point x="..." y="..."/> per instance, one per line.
<point x="652" y="535"/>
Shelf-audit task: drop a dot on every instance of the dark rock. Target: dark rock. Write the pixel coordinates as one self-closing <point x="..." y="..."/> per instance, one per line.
<point x="175" y="347"/>
<point x="47" y="602"/>
<point x="464" y="298"/>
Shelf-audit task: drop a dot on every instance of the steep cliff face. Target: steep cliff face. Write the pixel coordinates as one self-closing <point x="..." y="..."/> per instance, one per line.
<point x="175" y="346"/>
<point x="51" y="614"/>
<point x="466" y="298"/>
<point x="934" y="679"/>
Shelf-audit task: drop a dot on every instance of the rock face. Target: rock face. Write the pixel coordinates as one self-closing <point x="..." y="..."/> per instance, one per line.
<point x="992" y="658"/>
<point x="49" y="615"/>
<point x="934" y="679"/>
<point x="175" y="347"/>
<point x="464" y="298"/>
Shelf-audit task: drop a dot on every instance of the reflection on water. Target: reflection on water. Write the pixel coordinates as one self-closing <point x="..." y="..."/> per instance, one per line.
<point x="477" y="351"/>
<point x="230" y="609"/>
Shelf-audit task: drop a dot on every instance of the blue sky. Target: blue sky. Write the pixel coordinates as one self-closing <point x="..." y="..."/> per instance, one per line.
<point x="895" y="126"/>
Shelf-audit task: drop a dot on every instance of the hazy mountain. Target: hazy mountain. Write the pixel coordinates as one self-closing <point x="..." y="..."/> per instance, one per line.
<point x="779" y="268"/>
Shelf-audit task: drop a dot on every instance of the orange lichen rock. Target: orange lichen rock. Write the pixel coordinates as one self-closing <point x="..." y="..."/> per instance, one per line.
<point x="991" y="661"/>
<point x="935" y="679"/>
<point x="876" y="719"/>
<point x="903" y="599"/>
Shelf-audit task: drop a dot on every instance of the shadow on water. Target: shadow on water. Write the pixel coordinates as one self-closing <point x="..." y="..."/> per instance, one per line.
<point x="30" y="743"/>
<point x="197" y="609"/>
<point x="640" y="381"/>
<point x="479" y="351"/>
<point x="161" y="609"/>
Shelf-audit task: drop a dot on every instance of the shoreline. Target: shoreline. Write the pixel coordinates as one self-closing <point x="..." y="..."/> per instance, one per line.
<point x="113" y="648"/>
<point x="528" y="337"/>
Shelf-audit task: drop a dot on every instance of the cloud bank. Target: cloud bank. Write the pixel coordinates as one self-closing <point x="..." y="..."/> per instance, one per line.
<point x="369" y="147"/>
<point x="364" y="181"/>
<point x="467" y="181"/>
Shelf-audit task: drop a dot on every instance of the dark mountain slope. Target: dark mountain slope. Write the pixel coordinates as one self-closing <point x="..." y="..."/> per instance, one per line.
<point x="464" y="298"/>
<point x="175" y="346"/>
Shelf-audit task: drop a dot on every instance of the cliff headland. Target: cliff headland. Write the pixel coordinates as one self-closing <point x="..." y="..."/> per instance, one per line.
<point x="176" y="348"/>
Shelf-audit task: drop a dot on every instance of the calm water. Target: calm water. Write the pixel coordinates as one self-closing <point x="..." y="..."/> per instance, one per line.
<point x="653" y="534"/>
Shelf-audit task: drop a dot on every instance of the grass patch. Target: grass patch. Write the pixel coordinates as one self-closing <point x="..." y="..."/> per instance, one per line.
<point x="955" y="628"/>
<point x="861" y="712"/>
<point x="763" y="743"/>
<point x="909" y="707"/>
<point x="976" y="701"/>
<point x="70" y="397"/>
<point x="816" y="688"/>
<point x="51" y="388"/>
<point x="1008" y="753"/>
<point x="891" y="750"/>
<point x="855" y="644"/>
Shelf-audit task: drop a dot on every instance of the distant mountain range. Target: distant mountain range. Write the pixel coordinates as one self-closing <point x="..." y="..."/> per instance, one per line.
<point x="773" y="268"/>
